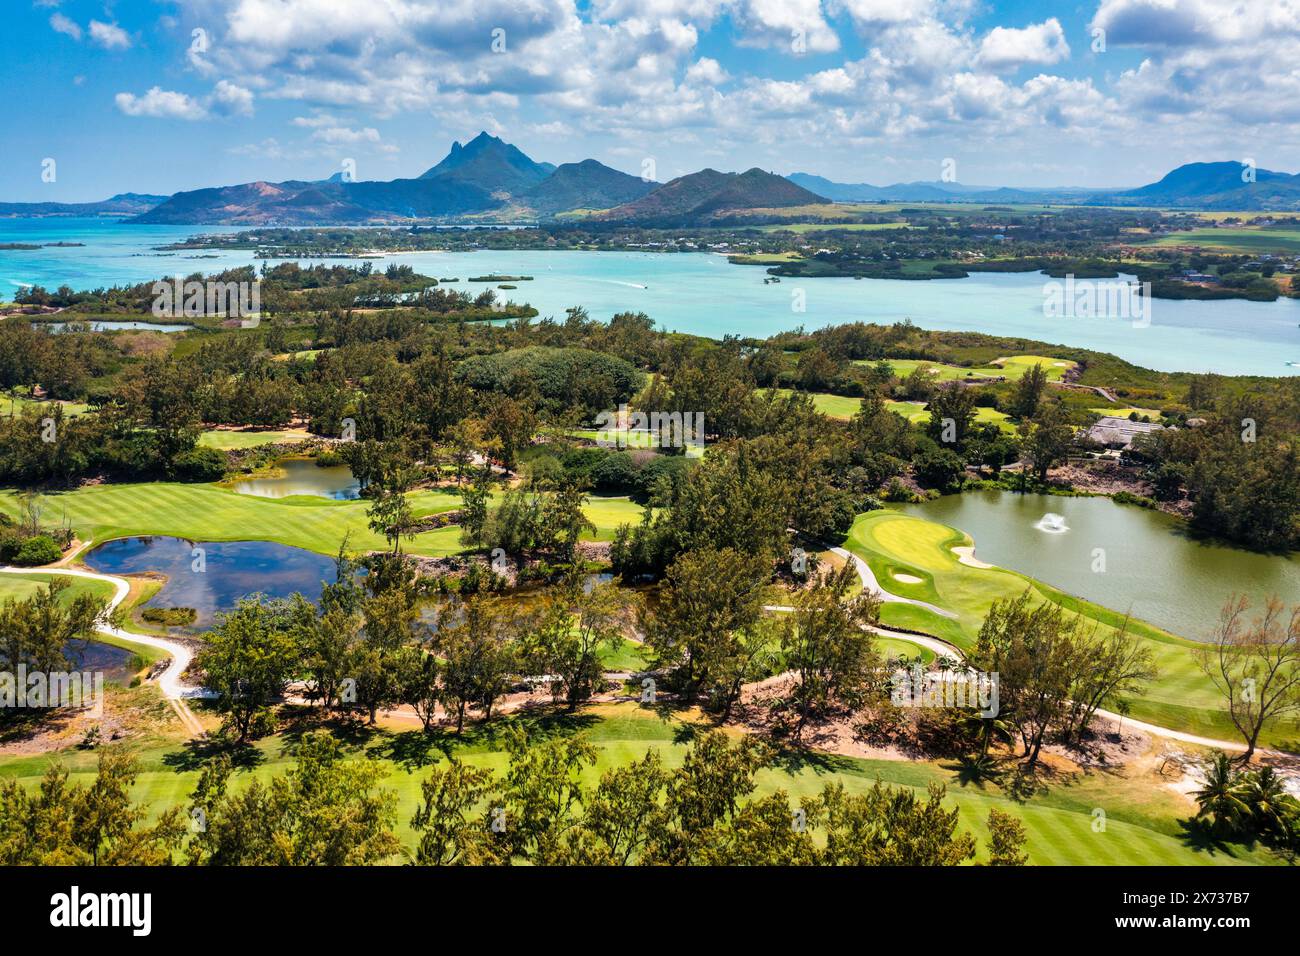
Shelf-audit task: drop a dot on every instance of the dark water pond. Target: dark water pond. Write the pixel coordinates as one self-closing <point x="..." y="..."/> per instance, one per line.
<point x="117" y="665"/>
<point x="212" y="576"/>
<point x="302" y="476"/>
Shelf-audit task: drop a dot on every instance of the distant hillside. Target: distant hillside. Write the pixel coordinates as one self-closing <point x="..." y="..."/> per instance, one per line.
<point x="1193" y="186"/>
<point x="1219" y="186"/>
<point x="491" y="164"/>
<point x="123" y="204"/>
<point x="584" y="185"/>
<point x="710" y="194"/>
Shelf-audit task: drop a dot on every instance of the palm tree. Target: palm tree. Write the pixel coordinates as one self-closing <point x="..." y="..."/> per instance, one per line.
<point x="1221" y="797"/>
<point x="1271" y="807"/>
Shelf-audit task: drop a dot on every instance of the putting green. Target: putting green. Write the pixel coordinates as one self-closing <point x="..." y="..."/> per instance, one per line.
<point x="1181" y="698"/>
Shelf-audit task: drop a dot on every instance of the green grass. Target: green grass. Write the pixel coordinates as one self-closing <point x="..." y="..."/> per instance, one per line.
<point x="210" y="513"/>
<point x="1142" y="825"/>
<point x="916" y="412"/>
<point x="940" y="372"/>
<point x="13" y="405"/>
<point x="1014" y="367"/>
<point x="1123" y="411"/>
<point x="225" y="440"/>
<point x="20" y="587"/>
<point x="1245" y="240"/>
<point x="1181" y="698"/>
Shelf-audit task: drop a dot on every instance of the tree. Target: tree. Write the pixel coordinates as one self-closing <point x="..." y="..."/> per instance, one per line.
<point x="1029" y="392"/>
<point x="57" y="824"/>
<point x="326" y="811"/>
<point x="38" y="631"/>
<point x="1046" y="439"/>
<point x="1035" y="649"/>
<point x="450" y="832"/>
<point x="825" y="641"/>
<point x="542" y="794"/>
<point x="1256" y="667"/>
<point x="478" y="654"/>
<point x="248" y="659"/>
<point x="889" y="827"/>
<point x="952" y="413"/>
<point x="1108" y="668"/>
<point x="1220" y="797"/>
<point x="575" y="624"/>
<point x="711" y="597"/>
<point x="1006" y="838"/>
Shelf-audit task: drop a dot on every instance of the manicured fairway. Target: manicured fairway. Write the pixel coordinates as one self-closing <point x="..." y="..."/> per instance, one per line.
<point x="1014" y="367"/>
<point x="937" y="370"/>
<point x="209" y="513"/>
<point x="225" y="440"/>
<point x="19" y="587"/>
<point x="1141" y="820"/>
<point x="1117" y="411"/>
<point x="917" y="412"/>
<point x="1182" y="697"/>
<point x="843" y="407"/>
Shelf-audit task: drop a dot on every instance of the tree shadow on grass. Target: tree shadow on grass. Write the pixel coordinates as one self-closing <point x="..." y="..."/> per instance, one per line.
<point x="414" y="749"/>
<point x="1202" y="836"/>
<point x="973" y="770"/>
<point x="196" y="752"/>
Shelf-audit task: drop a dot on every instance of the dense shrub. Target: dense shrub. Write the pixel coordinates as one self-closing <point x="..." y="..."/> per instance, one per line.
<point x="563" y="377"/>
<point x="37" y="550"/>
<point x="200" y="464"/>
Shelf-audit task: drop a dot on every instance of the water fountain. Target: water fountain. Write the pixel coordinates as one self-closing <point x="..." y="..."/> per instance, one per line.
<point x="1052" y="523"/>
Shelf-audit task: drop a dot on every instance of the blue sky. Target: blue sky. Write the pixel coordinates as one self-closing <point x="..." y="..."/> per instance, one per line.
<point x="162" y="95"/>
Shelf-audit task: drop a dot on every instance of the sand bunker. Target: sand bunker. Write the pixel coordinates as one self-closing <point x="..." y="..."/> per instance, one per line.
<point x="906" y="578"/>
<point x="966" y="555"/>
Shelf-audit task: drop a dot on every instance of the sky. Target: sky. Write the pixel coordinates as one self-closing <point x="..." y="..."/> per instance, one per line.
<point x="163" y="95"/>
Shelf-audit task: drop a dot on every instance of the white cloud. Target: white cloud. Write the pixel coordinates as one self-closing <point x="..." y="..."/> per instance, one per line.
<point x="230" y="99"/>
<point x="109" y="35"/>
<point x="1006" y="48"/>
<point x="337" y="135"/>
<point x="62" y="24"/>
<point x="161" y="104"/>
<point x="706" y="70"/>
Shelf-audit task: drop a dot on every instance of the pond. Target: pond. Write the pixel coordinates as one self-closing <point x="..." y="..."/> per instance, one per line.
<point x="302" y="476"/>
<point x="116" y="664"/>
<point x="1152" y="567"/>
<point x="113" y="325"/>
<point x="212" y="577"/>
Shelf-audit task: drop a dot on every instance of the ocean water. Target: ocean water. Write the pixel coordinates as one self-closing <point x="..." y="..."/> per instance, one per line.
<point x="704" y="294"/>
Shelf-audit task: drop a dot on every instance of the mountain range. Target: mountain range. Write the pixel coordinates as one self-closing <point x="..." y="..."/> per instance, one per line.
<point x="490" y="180"/>
<point x="1209" y="186"/>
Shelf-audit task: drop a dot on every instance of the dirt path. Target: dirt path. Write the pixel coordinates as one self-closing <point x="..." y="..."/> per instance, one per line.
<point x="170" y="682"/>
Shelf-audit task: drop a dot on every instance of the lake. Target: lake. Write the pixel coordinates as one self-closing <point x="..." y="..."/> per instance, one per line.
<point x="212" y="576"/>
<point x="703" y="294"/>
<point x="1153" y="568"/>
<point x="302" y="476"/>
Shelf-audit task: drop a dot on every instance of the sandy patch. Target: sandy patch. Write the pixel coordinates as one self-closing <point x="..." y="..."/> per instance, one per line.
<point x="906" y="578"/>
<point x="966" y="555"/>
